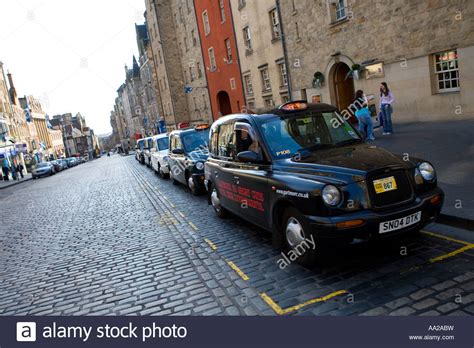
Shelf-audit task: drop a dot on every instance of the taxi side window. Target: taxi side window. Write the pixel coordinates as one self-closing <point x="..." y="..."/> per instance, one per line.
<point x="246" y="143"/>
<point x="226" y="142"/>
<point x="176" y="143"/>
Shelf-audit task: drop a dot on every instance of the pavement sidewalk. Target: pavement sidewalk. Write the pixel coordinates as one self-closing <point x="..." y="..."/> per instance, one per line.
<point x="5" y="184"/>
<point x="449" y="146"/>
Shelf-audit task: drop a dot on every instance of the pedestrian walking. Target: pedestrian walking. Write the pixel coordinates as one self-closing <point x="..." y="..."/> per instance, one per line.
<point x="20" y="168"/>
<point x="362" y="112"/>
<point x="6" y="172"/>
<point x="386" y="101"/>
<point x="14" y="173"/>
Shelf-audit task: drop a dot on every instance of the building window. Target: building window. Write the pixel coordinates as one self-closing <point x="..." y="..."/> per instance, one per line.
<point x="275" y="23"/>
<point x="242" y="4"/>
<point x="194" y="38"/>
<point x="229" y="51"/>
<point x="267" y="86"/>
<point x="297" y="30"/>
<point x="204" y="102"/>
<point x="212" y="59"/>
<point x="447" y="71"/>
<point x="191" y="73"/>
<point x="338" y="10"/>
<point x="269" y="103"/>
<point x="283" y="75"/>
<point x="205" y="20"/>
<point x="247" y="38"/>
<point x="198" y="67"/>
<point x="285" y="99"/>
<point x="248" y="85"/>
<point x="232" y="84"/>
<point x="222" y="10"/>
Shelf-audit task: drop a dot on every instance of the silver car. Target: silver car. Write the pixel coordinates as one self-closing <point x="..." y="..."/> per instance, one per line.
<point x="43" y="169"/>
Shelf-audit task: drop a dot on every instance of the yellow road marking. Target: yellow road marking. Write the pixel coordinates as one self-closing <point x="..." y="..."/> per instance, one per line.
<point x="238" y="270"/>
<point x="193" y="226"/>
<point x="280" y="311"/>
<point x="445" y="237"/>
<point x="451" y="254"/>
<point x="211" y="244"/>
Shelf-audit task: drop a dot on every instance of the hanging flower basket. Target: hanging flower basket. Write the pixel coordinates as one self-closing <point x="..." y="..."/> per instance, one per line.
<point x="318" y="79"/>
<point x="355" y="72"/>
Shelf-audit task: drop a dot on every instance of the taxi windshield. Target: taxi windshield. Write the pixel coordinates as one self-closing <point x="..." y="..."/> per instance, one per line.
<point x="196" y="141"/>
<point x="162" y="144"/>
<point x="288" y="135"/>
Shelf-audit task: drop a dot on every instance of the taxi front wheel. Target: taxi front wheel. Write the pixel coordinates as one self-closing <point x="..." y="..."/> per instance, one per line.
<point x="300" y="243"/>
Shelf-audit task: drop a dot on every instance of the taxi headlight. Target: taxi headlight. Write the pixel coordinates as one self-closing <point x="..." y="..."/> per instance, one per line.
<point x="199" y="166"/>
<point x="427" y="171"/>
<point x="331" y="195"/>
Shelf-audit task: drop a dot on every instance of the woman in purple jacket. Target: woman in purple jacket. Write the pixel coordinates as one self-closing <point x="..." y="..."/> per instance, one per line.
<point x="386" y="100"/>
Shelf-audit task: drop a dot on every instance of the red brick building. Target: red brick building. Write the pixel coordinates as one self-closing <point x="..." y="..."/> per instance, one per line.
<point x="219" y="50"/>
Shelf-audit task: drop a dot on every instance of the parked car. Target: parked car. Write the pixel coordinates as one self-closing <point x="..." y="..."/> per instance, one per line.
<point x="304" y="173"/>
<point x="159" y="155"/>
<point x="71" y="162"/>
<point x="63" y="163"/>
<point x="142" y="146"/>
<point x="187" y="153"/>
<point x="58" y="166"/>
<point x="43" y="169"/>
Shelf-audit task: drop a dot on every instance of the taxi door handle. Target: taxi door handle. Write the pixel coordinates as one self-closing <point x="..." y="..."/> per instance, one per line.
<point x="236" y="180"/>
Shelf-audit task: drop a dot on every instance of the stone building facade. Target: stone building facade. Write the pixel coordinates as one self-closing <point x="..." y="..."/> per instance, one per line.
<point x="189" y="44"/>
<point x="150" y="99"/>
<point x="262" y="60"/>
<point x="164" y="46"/>
<point x="424" y="50"/>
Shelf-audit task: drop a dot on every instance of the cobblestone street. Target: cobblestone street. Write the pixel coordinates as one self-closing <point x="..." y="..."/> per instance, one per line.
<point x="111" y="237"/>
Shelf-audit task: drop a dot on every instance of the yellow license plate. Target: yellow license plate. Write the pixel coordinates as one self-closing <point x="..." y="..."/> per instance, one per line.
<point x="385" y="184"/>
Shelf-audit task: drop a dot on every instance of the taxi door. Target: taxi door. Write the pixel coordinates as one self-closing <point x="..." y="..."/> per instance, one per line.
<point x="176" y="159"/>
<point x="250" y="177"/>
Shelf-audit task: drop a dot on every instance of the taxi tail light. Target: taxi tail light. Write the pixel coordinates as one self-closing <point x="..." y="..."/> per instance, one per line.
<point x="294" y="106"/>
<point x="435" y="200"/>
<point x="350" y="223"/>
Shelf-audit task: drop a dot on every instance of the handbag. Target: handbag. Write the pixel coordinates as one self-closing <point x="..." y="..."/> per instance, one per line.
<point x="363" y="112"/>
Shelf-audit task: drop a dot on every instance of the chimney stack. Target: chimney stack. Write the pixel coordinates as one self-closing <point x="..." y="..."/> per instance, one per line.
<point x="12" y="90"/>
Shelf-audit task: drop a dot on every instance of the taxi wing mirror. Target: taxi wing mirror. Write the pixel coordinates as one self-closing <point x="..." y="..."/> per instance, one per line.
<point x="249" y="157"/>
<point x="177" y="151"/>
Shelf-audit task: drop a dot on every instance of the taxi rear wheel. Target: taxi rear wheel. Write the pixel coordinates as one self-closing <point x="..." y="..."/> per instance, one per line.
<point x="216" y="204"/>
<point x="299" y="241"/>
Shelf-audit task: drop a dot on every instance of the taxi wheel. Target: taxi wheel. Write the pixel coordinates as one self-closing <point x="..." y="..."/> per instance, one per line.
<point x="193" y="187"/>
<point x="298" y="238"/>
<point x="216" y="204"/>
<point x="162" y="174"/>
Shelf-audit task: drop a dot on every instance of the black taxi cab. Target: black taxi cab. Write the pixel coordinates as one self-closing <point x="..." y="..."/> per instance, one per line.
<point x="188" y="150"/>
<point x="303" y="172"/>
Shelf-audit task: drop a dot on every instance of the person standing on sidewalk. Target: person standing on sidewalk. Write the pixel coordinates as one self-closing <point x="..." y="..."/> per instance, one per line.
<point x="386" y="100"/>
<point x="19" y="169"/>
<point x="362" y="113"/>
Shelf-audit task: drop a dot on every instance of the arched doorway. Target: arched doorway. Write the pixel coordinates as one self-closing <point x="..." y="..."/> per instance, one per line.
<point x="342" y="87"/>
<point x="223" y="101"/>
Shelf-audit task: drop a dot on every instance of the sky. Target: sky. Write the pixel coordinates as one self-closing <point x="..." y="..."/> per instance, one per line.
<point x="70" y="54"/>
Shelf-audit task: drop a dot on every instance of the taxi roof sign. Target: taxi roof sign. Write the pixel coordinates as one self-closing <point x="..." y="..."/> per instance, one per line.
<point x="294" y="106"/>
<point x="201" y="126"/>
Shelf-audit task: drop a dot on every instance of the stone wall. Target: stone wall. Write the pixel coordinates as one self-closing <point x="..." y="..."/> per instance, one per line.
<point x="401" y="34"/>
